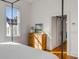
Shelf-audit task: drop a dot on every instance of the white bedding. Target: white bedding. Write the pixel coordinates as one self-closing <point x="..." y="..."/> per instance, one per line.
<point x="12" y="50"/>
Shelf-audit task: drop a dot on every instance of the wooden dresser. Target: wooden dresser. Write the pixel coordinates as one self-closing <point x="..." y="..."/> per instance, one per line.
<point x="37" y="40"/>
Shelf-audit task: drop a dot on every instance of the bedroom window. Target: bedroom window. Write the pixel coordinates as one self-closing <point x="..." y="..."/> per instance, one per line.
<point x="16" y="21"/>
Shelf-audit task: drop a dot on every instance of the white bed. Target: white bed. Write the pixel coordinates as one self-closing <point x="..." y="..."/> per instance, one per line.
<point x="10" y="50"/>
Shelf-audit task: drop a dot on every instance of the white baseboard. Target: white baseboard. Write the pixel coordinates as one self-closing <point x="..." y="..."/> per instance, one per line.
<point x="72" y="54"/>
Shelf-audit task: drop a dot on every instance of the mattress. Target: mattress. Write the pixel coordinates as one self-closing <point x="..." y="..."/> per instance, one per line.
<point x="11" y="50"/>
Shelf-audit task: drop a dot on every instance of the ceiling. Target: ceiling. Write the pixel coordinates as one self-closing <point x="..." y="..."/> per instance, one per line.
<point x="30" y="0"/>
<point x="20" y="0"/>
<point x="10" y="0"/>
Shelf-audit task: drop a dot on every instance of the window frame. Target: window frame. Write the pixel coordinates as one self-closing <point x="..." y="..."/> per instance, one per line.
<point x="18" y="35"/>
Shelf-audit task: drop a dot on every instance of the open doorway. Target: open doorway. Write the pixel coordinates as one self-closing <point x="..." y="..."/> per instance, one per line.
<point x="56" y="28"/>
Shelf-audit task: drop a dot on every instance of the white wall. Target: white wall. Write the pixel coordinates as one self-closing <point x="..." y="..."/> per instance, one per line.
<point x="24" y="8"/>
<point x="2" y="23"/>
<point x="71" y="9"/>
<point x="42" y="12"/>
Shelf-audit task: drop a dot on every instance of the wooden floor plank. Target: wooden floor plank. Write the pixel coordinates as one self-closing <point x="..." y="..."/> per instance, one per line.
<point x="57" y="52"/>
